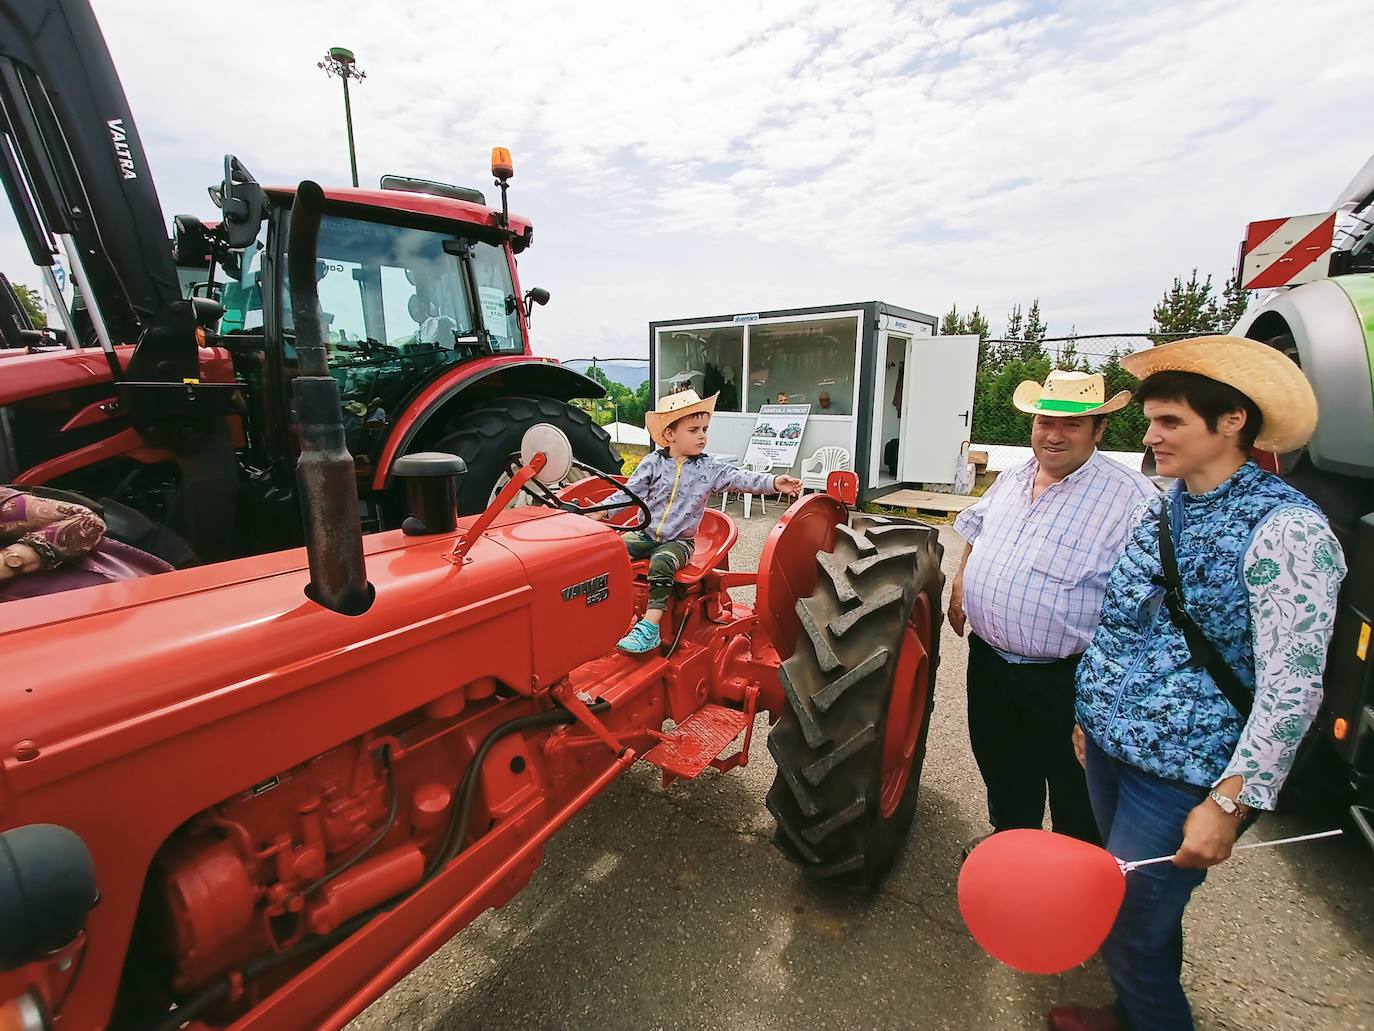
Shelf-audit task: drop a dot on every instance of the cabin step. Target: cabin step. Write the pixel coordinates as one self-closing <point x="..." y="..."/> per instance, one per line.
<point x="699" y="740"/>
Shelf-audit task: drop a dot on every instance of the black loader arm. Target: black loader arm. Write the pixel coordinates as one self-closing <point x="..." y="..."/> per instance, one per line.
<point x="69" y="134"/>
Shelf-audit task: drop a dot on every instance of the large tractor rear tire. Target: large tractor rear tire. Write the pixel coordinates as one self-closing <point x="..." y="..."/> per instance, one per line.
<point x="860" y="689"/>
<point x="485" y="437"/>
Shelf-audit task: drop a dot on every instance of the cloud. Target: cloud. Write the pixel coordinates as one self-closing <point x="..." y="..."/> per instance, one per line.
<point x="737" y="156"/>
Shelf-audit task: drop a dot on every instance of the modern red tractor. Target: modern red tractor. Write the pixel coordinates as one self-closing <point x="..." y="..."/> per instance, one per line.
<point x="255" y="793"/>
<point x="178" y="416"/>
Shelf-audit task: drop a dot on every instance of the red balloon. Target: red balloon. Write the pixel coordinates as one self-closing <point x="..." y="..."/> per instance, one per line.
<point x="1038" y="901"/>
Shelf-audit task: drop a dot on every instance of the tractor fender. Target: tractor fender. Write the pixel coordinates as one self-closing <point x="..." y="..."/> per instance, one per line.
<point x="517" y="374"/>
<point x="1332" y="325"/>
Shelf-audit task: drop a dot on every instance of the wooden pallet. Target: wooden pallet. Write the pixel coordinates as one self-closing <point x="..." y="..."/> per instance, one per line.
<point x="926" y="500"/>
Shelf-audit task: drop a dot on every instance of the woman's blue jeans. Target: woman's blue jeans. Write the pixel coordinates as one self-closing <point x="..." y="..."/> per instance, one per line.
<point x="1141" y="816"/>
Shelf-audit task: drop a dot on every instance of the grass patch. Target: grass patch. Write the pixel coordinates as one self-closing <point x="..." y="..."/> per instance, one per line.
<point x="631" y="455"/>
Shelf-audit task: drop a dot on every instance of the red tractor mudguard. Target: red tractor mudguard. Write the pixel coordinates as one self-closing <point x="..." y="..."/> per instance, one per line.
<point x="788" y="563"/>
<point x="504" y="375"/>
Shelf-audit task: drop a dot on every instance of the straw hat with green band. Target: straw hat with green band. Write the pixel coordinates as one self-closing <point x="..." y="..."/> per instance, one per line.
<point x="1068" y="394"/>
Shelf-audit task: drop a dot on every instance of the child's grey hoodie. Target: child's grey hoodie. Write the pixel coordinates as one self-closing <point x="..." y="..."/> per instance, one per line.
<point x="677" y="490"/>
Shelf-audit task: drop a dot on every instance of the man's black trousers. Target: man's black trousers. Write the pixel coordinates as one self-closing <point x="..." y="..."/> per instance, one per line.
<point x="1020" y="722"/>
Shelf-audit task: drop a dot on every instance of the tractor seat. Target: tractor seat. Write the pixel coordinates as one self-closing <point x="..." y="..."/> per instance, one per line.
<point x="715" y="537"/>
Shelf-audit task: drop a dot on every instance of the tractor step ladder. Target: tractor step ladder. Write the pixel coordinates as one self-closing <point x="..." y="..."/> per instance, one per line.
<point x="701" y="737"/>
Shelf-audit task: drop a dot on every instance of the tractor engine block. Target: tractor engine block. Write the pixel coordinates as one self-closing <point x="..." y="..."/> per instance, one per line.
<point x="298" y="854"/>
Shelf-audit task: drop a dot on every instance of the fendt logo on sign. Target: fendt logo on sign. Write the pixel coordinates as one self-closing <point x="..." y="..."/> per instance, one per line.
<point x="1287" y="251"/>
<point x="120" y="138"/>
<point x="594" y="590"/>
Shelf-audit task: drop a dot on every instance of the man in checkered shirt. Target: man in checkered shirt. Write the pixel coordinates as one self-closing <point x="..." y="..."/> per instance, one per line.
<point x="1041" y="543"/>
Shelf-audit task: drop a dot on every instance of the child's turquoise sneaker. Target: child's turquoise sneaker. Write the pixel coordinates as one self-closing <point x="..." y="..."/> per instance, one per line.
<point x="643" y="637"/>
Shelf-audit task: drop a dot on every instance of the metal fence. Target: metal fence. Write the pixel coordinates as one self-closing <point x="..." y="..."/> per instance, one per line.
<point x="1003" y="431"/>
<point x="998" y="429"/>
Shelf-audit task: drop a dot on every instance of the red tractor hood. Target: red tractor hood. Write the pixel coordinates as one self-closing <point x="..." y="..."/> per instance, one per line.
<point x="96" y="673"/>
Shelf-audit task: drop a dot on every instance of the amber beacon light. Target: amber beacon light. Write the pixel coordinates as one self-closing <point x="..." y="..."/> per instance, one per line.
<point x="501" y="166"/>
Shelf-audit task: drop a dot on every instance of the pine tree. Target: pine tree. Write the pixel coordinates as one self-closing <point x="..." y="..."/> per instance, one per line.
<point x="1234" y="301"/>
<point x="1186" y="308"/>
<point x="1015" y="324"/>
<point x="1068" y="351"/>
<point x="1035" y="329"/>
<point x="1007" y="350"/>
<point x="1031" y="349"/>
<point x="953" y="323"/>
<point x="977" y="323"/>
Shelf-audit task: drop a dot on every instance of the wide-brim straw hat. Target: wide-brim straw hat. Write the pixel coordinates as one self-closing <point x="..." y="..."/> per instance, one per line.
<point x="671" y="408"/>
<point x="1265" y="375"/>
<point x="1068" y="395"/>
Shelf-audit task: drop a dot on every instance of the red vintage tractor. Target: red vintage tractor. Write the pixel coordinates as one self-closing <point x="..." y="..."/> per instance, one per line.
<point x="255" y="792"/>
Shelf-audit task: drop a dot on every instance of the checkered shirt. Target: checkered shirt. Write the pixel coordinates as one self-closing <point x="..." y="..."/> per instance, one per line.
<point x="1034" y="583"/>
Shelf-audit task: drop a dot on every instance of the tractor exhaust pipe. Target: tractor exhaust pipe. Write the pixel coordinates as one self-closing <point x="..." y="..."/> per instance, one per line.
<point x="324" y="473"/>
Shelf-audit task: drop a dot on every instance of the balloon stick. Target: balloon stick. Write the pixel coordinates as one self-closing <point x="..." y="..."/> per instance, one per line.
<point x="1137" y="864"/>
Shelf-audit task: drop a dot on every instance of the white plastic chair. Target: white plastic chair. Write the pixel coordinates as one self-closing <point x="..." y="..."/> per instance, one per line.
<point x="755" y="466"/>
<point x="820" y="465"/>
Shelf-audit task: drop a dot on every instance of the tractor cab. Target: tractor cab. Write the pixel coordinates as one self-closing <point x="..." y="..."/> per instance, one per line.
<point x="410" y="287"/>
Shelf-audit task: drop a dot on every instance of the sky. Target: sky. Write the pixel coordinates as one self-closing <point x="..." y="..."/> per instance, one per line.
<point x="713" y="158"/>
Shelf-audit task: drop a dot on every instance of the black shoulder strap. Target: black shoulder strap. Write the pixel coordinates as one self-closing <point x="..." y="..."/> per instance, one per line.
<point x="1203" y="652"/>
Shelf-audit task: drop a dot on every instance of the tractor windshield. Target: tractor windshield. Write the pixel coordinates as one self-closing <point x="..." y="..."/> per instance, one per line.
<point x="397" y="307"/>
<point x="389" y="290"/>
<point x="398" y="311"/>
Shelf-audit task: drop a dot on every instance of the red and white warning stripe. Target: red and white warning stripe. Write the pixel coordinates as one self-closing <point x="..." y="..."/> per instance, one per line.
<point x="1287" y="251"/>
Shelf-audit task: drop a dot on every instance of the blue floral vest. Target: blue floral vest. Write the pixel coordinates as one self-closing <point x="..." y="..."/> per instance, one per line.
<point x="1139" y="697"/>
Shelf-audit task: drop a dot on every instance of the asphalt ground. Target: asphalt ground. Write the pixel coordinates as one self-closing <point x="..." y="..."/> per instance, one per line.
<point x="672" y="909"/>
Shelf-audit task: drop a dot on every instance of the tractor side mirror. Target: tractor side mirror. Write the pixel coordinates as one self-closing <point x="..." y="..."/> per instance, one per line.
<point x="243" y="202"/>
<point x="190" y="242"/>
<point x="535" y="295"/>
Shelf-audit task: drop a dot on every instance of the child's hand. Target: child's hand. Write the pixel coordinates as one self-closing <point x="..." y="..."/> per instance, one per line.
<point x="787" y="485"/>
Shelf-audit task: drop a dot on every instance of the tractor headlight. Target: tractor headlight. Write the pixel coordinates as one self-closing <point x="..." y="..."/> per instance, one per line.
<point x="26" y="1013"/>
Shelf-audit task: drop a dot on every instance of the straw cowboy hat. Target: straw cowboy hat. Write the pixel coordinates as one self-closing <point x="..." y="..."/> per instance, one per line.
<point x="1265" y="375"/>
<point x="671" y="408"/>
<point x="1068" y="394"/>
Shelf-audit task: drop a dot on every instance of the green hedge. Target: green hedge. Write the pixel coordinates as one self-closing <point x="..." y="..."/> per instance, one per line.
<point x="996" y="421"/>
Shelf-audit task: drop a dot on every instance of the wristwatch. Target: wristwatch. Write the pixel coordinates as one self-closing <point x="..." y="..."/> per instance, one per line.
<point x="1228" y="806"/>
<point x="12" y="559"/>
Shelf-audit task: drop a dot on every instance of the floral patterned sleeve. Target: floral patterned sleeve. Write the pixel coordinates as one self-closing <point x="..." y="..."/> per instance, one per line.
<point x="1293" y="572"/>
<point x="55" y="530"/>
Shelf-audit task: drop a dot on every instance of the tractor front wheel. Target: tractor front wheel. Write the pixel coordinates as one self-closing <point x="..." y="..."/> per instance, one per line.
<point x="485" y="437"/>
<point x="860" y="688"/>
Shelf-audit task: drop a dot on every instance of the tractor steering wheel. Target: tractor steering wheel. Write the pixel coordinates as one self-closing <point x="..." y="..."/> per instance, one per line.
<point x="539" y="492"/>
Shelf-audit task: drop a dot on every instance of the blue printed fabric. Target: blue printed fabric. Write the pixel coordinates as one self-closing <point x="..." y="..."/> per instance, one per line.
<point x="1139" y="696"/>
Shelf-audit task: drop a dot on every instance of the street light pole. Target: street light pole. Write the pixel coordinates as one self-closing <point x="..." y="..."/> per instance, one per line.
<point x="341" y="62"/>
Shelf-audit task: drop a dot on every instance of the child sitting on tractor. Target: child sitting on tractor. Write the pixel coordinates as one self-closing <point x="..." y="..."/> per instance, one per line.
<point x="676" y="482"/>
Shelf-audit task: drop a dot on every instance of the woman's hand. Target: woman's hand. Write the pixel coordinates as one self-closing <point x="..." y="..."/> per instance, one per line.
<point x="1080" y="746"/>
<point x="32" y="561"/>
<point x="1209" y="834"/>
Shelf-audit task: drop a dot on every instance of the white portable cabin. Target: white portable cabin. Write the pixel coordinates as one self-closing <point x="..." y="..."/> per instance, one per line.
<point x="873" y="374"/>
